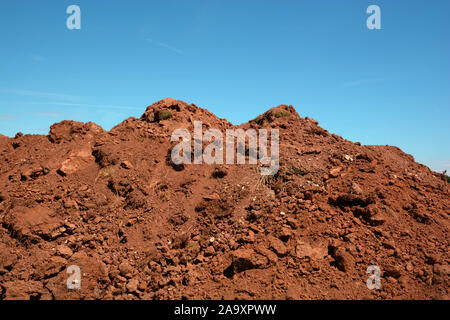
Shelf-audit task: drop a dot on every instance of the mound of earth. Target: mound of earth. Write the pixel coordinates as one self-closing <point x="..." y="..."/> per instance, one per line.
<point x="141" y="227"/>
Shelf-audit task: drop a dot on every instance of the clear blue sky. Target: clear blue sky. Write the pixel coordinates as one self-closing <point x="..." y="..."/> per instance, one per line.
<point x="237" y="58"/>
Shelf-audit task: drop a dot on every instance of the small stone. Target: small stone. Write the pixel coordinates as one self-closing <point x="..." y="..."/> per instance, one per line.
<point x="344" y="260"/>
<point x="404" y="281"/>
<point x="244" y="259"/>
<point x="142" y="286"/>
<point x="154" y="266"/>
<point x="126" y="164"/>
<point x="132" y="285"/>
<point x="377" y="219"/>
<point x="125" y="269"/>
<point x="70" y="226"/>
<point x="303" y="250"/>
<point x="278" y="247"/>
<point x="282" y="213"/>
<point x="76" y="161"/>
<point x="392" y="271"/>
<point x="334" y="173"/>
<point x="64" y="251"/>
<point x="391" y="280"/>
<point x="285" y="234"/>
<point x="199" y="259"/>
<point x="409" y="267"/>
<point x="356" y="189"/>
<point x="292" y="222"/>
<point x="389" y="244"/>
<point x="50" y="267"/>
<point x="347" y="157"/>
<point x="209" y="251"/>
<point x="249" y="237"/>
<point x="70" y="204"/>
<point x="6" y="259"/>
<point x="273" y="258"/>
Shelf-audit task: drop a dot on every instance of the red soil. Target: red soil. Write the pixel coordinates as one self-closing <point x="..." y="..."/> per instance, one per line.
<point x="140" y="227"/>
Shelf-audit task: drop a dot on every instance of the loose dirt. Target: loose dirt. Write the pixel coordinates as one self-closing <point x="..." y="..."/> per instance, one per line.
<point x="140" y="227"/>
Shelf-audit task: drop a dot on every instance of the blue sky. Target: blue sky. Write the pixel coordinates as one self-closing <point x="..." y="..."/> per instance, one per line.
<point x="237" y="58"/>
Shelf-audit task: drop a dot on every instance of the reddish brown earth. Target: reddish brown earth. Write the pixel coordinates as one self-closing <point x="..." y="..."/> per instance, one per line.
<point x="140" y="227"/>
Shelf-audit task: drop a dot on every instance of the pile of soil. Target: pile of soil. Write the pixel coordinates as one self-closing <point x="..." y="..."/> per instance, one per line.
<point x="140" y="227"/>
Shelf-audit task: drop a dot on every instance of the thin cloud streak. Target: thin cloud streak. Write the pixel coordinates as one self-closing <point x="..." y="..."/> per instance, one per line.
<point x="438" y="165"/>
<point x="39" y="94"/>
<point x="360" y="82"/>
<point x="47" y="114"/>
<point x="165" y="45"/>
<point x="37" y="58"/>
<point x="93" y="106"/>
<point x="67" y="104"/>
<point x="5" y="116"/>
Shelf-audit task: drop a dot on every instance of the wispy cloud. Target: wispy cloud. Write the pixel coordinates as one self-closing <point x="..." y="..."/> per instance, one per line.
<point x="6" y="116"/>
<point x="37" y="58"/>
<point x="164" y="45"/>
<point x="47" y="114"/>
<point x="100" y="106"/>
<point x="56" y="99"/>
<point x="439" y="165"/>
<point x="40" y="94"/>
<point x="360" y="82"/>
<point x="68" y="104"/>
